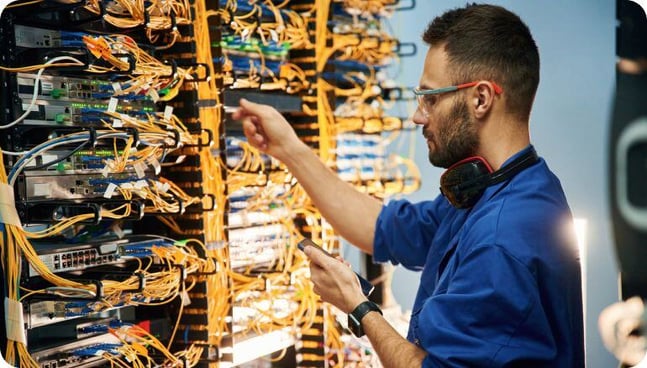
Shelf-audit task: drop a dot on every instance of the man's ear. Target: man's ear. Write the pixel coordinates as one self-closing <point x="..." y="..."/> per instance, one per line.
<point x="483" y="98"/>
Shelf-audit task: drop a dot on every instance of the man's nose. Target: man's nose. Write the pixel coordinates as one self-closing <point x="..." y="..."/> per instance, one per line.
<point x="418" y="117"/>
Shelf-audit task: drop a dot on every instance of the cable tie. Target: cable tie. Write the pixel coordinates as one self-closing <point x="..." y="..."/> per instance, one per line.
<point x="14" y="321"/>
<point x="8" y="212"/>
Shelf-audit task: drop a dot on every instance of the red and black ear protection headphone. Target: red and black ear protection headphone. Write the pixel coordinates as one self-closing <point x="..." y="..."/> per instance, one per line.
<point x="465" y="181"/>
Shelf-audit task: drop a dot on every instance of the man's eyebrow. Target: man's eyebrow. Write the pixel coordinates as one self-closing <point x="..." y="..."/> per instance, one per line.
<point x="424" y="86"/>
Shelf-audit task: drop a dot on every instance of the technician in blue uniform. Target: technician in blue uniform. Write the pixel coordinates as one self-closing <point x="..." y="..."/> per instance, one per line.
<point x="500" y="284"/>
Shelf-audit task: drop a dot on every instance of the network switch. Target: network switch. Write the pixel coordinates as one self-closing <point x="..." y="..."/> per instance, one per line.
<point x="61" y="257"/>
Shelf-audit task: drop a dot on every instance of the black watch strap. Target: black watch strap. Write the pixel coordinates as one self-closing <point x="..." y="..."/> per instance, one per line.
<point x="355" y="317"/>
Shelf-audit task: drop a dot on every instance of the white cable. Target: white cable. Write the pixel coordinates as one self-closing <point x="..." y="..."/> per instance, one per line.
<point x="35" y="95"/>
<point x="9" y="153"/>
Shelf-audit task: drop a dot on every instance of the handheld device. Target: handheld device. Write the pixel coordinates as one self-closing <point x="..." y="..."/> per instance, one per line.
<point x="367" y="287"/>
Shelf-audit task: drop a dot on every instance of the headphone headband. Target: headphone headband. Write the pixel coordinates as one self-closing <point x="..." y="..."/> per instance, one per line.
<point x="513" y="168"/>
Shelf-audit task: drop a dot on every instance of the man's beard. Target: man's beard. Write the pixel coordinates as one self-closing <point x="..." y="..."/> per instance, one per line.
<point x="457" y="137"/>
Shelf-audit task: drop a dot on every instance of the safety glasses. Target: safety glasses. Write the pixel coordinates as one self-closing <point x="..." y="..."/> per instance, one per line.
<point x="427" y="98"/>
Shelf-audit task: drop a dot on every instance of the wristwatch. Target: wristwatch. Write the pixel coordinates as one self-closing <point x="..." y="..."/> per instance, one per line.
<point x="355" y="317"/>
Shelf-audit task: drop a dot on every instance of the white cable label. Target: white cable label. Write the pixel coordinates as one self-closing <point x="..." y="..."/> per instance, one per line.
<point x="110" y="190"/>
<point x="153" y="94"/>
<point x="152" y="160"/>
<point x="8" y="213"/>
<point x="117" y="87"/>
<point x="162" y="187"/>
<point x="168" y="112"/>
<point x="118" y="231"/>
<point x="186" y="300"/>
<point x="112" y="105"/>
<point x="14" y="321"/>
<point x="140" y="169"/>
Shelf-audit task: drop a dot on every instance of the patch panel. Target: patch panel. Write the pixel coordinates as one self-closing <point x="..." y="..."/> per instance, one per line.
<point x="250" y="303"/>
<point x="257" y="246"/>
<point x="62" y="88"/>
<point x="72" y="185"/>
<point x="83" y="353"/>
<point x="77" y="111"/>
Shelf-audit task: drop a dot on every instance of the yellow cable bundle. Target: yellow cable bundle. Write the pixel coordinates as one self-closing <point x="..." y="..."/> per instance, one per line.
<point x="217" y="283"/>
<point x="324" y="113"/>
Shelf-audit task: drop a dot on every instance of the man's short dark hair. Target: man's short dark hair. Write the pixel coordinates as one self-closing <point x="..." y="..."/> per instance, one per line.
<point x="489" y="42"/>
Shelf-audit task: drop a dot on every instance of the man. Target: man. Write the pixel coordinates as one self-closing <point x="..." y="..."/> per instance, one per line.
<point x="500" y="283"/>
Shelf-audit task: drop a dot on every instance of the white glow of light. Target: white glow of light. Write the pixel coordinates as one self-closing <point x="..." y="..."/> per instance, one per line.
<point x="3" y="363"/>
<point x="581" y="227"/>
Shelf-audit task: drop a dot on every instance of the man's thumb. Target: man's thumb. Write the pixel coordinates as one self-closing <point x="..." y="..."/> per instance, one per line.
<point x="250" y="106"/>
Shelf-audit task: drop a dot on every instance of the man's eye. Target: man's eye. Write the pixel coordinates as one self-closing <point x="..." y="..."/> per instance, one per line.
<point x="430" y="100"/>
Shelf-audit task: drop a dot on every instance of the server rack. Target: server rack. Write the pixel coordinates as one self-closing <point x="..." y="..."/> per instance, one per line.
<point x="146" y="230"/>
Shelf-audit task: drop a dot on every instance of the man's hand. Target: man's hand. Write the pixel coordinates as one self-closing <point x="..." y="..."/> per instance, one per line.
<point x="334" y="281"/>
<point x="267" y="130"/>
<point x="618" y="324"/>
